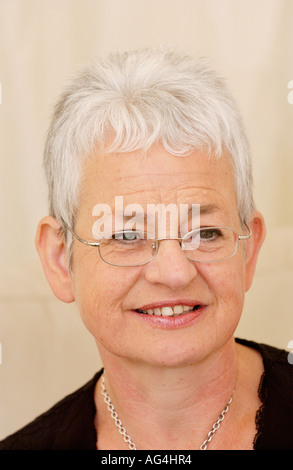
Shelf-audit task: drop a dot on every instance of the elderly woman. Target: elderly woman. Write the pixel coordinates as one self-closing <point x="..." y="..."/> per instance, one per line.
<point x="162" y="296"/>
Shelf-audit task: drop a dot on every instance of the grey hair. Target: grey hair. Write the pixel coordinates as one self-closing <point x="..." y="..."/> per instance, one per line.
<point x="128" y="101"/>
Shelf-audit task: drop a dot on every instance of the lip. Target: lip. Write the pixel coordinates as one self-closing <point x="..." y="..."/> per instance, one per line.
<point x="179" y="321"/>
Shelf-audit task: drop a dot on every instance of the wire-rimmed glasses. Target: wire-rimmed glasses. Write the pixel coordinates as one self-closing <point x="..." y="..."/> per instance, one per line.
<point x="129" y="248"/>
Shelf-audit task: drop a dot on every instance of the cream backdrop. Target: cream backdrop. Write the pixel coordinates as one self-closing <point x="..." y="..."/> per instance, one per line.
<point x="46" y="351"/>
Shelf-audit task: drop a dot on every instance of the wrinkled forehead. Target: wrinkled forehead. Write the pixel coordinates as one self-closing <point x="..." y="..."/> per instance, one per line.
<point x="138" y="180"/>
<point x="157" y="171"/>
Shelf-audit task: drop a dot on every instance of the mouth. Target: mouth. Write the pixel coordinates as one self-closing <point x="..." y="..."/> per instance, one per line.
<point x="169" y="311"/>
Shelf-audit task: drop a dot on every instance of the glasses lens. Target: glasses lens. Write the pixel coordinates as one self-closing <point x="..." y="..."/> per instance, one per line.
<point x="127" y="248"/>
<point x="209" y="244"/>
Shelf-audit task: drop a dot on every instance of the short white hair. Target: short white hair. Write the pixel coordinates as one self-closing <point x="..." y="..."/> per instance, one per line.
<point x="128" y="101"/>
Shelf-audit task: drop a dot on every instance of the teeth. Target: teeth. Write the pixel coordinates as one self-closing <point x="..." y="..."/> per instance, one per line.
<point x="168" y="311"/>
<point x="178" y="309"/>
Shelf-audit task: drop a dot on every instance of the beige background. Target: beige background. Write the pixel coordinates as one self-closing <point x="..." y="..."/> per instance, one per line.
<point x="46" y="351"/>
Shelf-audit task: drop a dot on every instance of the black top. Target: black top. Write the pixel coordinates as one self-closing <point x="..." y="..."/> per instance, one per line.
<point x="69" y="425"/>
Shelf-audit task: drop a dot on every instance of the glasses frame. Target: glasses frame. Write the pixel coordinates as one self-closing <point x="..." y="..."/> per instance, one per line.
<point x="156" y="246"/>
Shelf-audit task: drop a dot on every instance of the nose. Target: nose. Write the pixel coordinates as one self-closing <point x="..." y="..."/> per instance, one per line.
<point x="170" y="266"/>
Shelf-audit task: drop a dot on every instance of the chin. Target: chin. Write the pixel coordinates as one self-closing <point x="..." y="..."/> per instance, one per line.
<point x="176" y="355"/>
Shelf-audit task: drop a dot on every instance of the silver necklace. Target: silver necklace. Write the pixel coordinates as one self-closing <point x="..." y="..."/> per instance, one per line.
<point x="127" y="438"/>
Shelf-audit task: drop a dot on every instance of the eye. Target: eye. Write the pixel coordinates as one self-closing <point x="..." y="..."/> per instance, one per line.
<point x="129" y="235"/>
<point x="210" y="234"/>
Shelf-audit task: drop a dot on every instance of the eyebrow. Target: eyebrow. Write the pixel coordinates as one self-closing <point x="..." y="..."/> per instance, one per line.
<point x="208" y="208"/>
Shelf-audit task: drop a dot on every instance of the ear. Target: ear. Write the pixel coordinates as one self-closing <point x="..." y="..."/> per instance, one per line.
<point x="253" y="246"/>
<point x="51" y="246"/>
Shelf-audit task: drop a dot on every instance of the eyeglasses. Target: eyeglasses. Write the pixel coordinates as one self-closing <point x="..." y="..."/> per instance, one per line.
<point x="128" y="248"/>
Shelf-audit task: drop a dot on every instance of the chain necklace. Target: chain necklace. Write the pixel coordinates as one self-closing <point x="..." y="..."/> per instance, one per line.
<point x="127" y="438"/>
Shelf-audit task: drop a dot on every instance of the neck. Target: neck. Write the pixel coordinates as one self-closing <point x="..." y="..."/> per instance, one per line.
<point x="154" y="400"/>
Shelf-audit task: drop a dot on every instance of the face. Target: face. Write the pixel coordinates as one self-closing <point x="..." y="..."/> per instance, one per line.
<point x="111" y="299"/>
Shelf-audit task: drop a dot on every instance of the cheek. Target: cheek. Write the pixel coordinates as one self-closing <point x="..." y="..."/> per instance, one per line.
<point x="226" y="282"/>
<point x="100" y="292"/>
<point x="226" y="287"/>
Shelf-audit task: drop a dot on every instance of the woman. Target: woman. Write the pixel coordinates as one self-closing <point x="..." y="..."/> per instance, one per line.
<point x="162" y="299"/>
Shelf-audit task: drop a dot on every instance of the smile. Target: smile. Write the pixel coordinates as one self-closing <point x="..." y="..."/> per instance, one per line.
<point x="174" y="311"/>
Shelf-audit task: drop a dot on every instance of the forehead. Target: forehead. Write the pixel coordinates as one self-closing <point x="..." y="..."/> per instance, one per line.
<point x="158" y="177"/>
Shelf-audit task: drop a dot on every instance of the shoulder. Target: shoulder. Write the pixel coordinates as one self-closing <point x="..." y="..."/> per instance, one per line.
<point x="275" y="417"/>
<point x="276" y="361"/>
<point x="69" y="424"/>
<point x="278" y="370"/>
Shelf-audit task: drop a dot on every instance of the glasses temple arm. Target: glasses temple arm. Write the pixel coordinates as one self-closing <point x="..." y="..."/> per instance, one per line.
<point x="245" y="237"/>
<point x="78" y="238"/>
